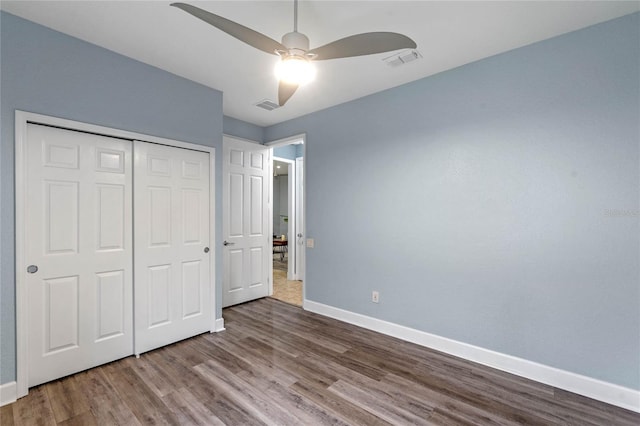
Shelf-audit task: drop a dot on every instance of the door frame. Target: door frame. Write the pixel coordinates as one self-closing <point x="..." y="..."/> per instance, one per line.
<point x="291" y="213"/>
<point x="299" y="197"/>
<point x="302" y="139"/>
<point x="22" y="120"/>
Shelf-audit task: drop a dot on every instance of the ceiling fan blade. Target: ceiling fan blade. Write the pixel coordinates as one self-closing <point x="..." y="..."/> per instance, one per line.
<point x="242" y="33"/>
<point x="363" y="44"/>
<point x="285" y="91"/>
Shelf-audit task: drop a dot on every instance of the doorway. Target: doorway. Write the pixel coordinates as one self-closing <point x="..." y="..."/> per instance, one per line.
<point x="287" y="222"/>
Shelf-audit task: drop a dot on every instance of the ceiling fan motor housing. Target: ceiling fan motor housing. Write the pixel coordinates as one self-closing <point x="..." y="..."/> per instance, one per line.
<point x="297" y="43"/>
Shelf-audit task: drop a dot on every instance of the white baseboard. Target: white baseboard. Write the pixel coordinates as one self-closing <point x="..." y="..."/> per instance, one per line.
<point x="8" y="393"/>
<point x="219" y="325"/>
<point x="572" y="382"/>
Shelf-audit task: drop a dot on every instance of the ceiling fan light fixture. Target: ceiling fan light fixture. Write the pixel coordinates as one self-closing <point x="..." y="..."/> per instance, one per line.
<point x="295" y="67"/>
<point x="296" y="70"/>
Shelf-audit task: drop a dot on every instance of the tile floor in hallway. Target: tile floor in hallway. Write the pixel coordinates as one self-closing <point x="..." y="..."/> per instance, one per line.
<point x="286" y="290"/>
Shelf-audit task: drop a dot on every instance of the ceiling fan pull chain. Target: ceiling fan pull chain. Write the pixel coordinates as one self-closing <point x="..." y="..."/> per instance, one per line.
<point x="295" y="16"/>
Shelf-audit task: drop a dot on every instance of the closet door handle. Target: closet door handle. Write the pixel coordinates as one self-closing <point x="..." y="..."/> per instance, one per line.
<point x="32" y="269"/>
<point x="227" y="243"/>
<point x="206" y="249"/>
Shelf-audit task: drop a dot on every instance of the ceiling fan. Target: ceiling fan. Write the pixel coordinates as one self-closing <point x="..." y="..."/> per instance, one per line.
<point x="295" y="67"/>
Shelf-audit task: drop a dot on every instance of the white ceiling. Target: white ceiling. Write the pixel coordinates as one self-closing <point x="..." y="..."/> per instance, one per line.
<point x="448" y="34"/>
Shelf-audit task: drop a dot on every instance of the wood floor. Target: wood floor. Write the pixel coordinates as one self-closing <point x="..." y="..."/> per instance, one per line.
<point x="277" y="364"/>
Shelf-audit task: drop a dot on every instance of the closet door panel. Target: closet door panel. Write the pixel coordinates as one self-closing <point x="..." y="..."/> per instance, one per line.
<point x="78" y="243"/>
<point x="173" y="261"/>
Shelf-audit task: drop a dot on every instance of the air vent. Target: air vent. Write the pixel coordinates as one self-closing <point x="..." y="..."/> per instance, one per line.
<point x="267" y="104"/>
<point x="402" y="58"/>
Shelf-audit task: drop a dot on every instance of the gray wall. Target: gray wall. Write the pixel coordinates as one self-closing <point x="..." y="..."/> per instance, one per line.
<point x="241" y="129"/>
<point x="46" y="72"/>
<point x="481" y="203"/>
<point x="286" y="151"/>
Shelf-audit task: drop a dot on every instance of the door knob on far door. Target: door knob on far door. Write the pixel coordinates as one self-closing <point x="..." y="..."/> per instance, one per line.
<point x="32" y="269"/>
<point x="227" y="243"/>
<point x="206" y="249"/>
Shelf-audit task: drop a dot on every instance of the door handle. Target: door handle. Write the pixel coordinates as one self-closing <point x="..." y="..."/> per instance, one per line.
<point x="206" y="249"/>
<point x="227" y="243"/>
<point x="299" y="235"/>
<point x="32" y="269"/>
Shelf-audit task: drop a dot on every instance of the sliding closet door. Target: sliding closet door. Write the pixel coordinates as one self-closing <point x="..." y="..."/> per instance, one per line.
<point x="78" y="247"/>
<point x="173" y="261"/>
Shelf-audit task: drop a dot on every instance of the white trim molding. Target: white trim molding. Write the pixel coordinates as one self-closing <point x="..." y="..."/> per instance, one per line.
<point x="295" y="139"/>
<point x="219" y="325"/>
<point x="8" y="393"/>
<point x="292" y="214"/>
<point x="602" y="391"/>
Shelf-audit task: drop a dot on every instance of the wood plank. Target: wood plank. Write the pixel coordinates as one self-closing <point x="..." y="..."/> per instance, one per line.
<point x="290" y="364"/>
<point x="449" y="385"/>
<point x="152" y="373"/>
<point x="267" y="338"/>
<point x="289" y="325"/>
<point x="84" y="419"/>
<point x="189" y="410"/>
<point x="6" y="415"/>
<point x="379" y="391"/>
<point x="35" y="410"/>
<point x="464" y="409"/>
<point x="304" y="409"/>
<point x="208" y="348"/>
<point x="252" y="399"/>
<point x="342" y="408"/>
<point x="104" y="400"/>
<point x="264" y="366"/>
<point x="225" y="408"/>
<point x="65" y="399"/>
<point x="578" y="409"/>
<point x="143" y="402"/>
<point x="383" y="408"/>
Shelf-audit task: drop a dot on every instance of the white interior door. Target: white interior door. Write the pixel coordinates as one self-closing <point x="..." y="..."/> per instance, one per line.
<point x="173" y="261"/>
<point x="247" y="251"/>
<point x="300" y="238"/>
<point x="79" y="248"/>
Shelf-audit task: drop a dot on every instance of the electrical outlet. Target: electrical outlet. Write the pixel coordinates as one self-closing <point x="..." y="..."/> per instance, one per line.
<point x="310" y="243"/>
<point x="375" y="297"/>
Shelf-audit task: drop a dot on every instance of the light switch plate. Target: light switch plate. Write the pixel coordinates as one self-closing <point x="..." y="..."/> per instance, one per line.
<point x="310" y="243"/>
